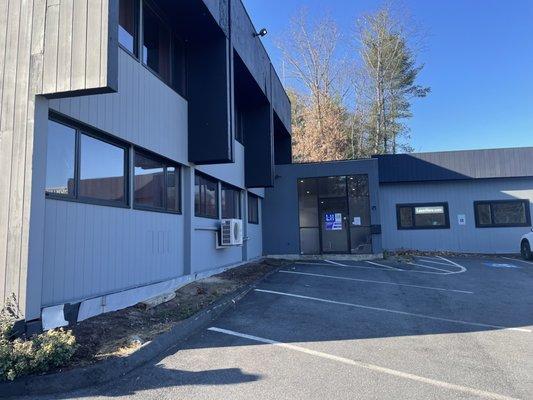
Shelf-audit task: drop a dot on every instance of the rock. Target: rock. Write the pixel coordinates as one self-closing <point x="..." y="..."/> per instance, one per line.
<point x="155" y="301"/>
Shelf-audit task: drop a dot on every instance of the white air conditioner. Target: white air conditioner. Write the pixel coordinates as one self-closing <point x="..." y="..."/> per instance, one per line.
<point x="231" y="232"/>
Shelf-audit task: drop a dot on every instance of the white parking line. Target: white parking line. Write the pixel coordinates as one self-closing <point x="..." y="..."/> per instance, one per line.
<point x="371" y="367"/>
<point x="429" y="267"/>
<point x="337" y="265"/>
<point x="455" y="321"/>
<point x="431" y="261"/>
<point x="461" y="268"/>
<point x="382" y="265"/>
<point x="518" y="259"/>
<point x="377" y="282"/>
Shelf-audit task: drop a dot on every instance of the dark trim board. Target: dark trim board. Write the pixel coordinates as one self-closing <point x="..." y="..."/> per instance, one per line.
<point x="412" y="206"/>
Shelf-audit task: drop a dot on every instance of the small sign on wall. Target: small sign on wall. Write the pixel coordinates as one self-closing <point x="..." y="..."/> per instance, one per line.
<point x="461" y="219"/>
<point x="356" y="221"/>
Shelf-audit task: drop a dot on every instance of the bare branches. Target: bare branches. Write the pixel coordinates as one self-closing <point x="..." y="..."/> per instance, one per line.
<point x="352" y="107"/>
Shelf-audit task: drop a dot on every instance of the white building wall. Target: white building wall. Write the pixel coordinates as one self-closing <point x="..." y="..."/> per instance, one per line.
<point x="460" y="196"/>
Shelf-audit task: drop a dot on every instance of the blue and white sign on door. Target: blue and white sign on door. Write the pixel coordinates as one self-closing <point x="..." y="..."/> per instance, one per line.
<point x="333" y="221"/>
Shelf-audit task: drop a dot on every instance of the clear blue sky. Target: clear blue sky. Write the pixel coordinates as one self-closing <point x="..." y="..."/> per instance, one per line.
<point x="478" y="63"/>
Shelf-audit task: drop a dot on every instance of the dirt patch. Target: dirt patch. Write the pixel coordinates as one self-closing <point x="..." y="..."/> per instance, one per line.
<point x="121" y="332"/>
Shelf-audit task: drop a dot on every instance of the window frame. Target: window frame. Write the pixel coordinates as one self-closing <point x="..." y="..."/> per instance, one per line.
<point x="167" y="163"/>
<point x="217" y="195"/>
<point x="137" y="30"/>
<point x="494" y="225"/>
<point x="80" y="129"/>
<point x="227" y="186"/>
<point x="412" y="206"/>
<point x="256" y="199"/>
<point x="173" y="38"/>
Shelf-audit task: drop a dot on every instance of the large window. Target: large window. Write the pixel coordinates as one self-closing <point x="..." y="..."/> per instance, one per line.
<point x="502" y="213"/>
<point x="205" y="196"/>
<point x="231" y="202"/>
<point x="162" y="51"/>
<point x="423" y="216"/>
<point x="84" y="166"/>
<point x="253" y="209"/>
<point x="127" y="27"/>
<point x="156" y="43"/>
<point x="156" y="184"/>
<point x="159" y="47"/>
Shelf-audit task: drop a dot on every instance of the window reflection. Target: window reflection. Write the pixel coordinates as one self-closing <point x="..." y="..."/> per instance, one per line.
<point x="127" y="24"/>
<point x="205" y="197"/>
<point x="231" y="202"/>
<point x="102" y="170"/>
<point x="149" y="182"/>
<point x="60" y="159"/>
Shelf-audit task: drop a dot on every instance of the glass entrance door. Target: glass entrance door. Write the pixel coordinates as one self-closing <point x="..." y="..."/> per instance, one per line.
<point x="334" y="225"/>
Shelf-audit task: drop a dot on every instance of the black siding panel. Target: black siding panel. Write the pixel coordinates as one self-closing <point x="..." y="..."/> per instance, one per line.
<point x="456" y="165"/>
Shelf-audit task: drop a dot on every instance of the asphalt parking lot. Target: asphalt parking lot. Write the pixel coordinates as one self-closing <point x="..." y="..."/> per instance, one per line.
<point x="432" y="328"/>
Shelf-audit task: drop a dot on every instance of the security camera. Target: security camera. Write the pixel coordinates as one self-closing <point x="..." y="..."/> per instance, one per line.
<point x="261" y="33"/>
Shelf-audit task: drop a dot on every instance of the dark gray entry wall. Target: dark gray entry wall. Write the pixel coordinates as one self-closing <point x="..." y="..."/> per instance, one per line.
<point x="280" y="210"/>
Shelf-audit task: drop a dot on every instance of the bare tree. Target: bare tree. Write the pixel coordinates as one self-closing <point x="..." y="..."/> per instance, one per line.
<point x="310" y="51"/>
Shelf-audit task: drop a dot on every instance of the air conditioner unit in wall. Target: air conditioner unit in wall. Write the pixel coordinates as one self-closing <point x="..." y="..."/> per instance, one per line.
<point x="231" y="232"/>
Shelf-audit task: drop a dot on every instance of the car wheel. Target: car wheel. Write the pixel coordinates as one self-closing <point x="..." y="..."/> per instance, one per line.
<point x="525" y="249"/>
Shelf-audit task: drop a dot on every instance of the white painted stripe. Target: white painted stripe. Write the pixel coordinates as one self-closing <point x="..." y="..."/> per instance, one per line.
<point x="429" y="267"/>
<point x="370" y="367"/>
<point x="377" y="282"/>
<point x="338" y="265"/>
<point x="310" y="263"/>
<point x="382" y="265"/>
<point x="335" y="263"/>
<point x="462" y="269"/>
<point x="431" y="261"/>
<point x="518" y="259"/>
<point x="455" y="321"/>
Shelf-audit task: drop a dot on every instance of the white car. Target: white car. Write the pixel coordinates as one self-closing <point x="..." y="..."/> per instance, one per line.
<point x="526" y="246"/>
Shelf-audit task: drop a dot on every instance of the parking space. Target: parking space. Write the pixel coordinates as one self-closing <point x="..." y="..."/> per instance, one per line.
<point x="428" y="328"/>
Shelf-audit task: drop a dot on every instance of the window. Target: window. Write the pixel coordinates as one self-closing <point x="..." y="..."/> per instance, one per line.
<point x="239" y="124"/>
<point x="127" y="27"/>
<point x="162" y="51"/>
<point x="205" y="196"/>
<point x="60" y="163"/>
<point x="156" y="44"/>
<point x="231" y="202"/>
<point x="102" y="170"/>
<point x="423" y="216"/>
<point x="502" y="213"/>
<point x="85" y="167"/>
<point x="156" y="184"/>
<point x="253" y="209"/>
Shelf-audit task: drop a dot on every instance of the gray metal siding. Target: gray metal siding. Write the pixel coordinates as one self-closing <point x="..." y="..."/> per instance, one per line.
<point x="35" y="37"/>
<point x="232" y="173"/>
<point x="460" y="196"/>
<point x="76" y="58"/>
<point x="145" y="111"/>
<point x="255" y="235"/>
<point x="92" y="250"/>
<point x="280" y="209"/>
<point x="456" y="165"/>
